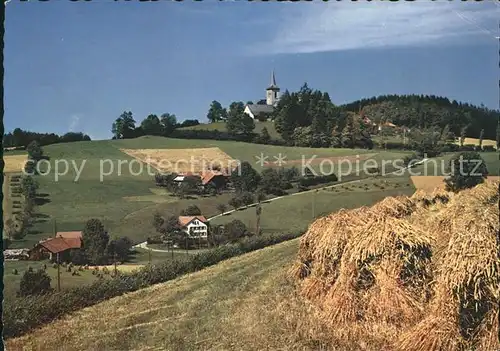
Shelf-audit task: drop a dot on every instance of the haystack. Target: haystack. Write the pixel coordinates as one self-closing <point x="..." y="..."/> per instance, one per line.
<point x="427" y="266"/>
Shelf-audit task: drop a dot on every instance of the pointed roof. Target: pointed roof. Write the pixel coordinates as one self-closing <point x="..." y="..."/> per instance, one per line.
<point x="185" y="220"/>
<point x="273" y="85"/>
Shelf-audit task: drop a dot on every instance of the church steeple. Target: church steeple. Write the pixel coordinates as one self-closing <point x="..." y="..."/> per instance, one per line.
<point x="272" y="91"/>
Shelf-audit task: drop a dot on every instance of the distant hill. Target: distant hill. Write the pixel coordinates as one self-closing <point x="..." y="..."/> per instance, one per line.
<point x="427" y="111"/>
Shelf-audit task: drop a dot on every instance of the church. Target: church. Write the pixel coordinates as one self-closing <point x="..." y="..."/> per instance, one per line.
<point x="264" y="108"/>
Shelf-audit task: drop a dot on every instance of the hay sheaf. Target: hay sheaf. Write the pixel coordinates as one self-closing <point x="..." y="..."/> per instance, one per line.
<point x="426" y="266"/>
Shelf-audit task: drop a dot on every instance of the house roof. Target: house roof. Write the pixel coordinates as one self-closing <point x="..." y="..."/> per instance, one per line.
<point x="60" y="244"/>
<point x="69" y="235"/>
<point x="208" y="176"/>
<point x="256" y="109"/>
<point x="185" y="220"/>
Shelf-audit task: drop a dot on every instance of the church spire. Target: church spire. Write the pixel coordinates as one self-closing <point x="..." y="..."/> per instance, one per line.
<point x="273" y="79"/>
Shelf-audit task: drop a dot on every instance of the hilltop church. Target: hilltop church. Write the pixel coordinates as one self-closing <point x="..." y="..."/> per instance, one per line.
<point x="264" y="108"/>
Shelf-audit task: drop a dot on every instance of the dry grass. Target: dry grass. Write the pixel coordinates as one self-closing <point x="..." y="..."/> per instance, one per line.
<point x="14" y="163"/>
<point x="126" y="268"/>
<point x="419" y="273"/>
<point x="475" y="141"/>
<point x="182" y="160"/>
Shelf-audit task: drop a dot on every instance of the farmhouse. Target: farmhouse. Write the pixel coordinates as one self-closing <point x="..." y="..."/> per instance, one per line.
<point x="261" y="112"/>
<point x="63" y="244"/>
<point x="194" y="226"/>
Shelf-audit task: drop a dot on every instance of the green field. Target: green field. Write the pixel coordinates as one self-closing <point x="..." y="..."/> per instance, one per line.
<point x="125" y="201"/>
<point x="295" y="212"/>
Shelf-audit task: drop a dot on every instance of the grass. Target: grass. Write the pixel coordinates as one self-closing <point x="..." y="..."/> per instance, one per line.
<point x="231" y="306"/>
<point x="295" y="212"/>
<point x="125" y="201"/>
<point x="11" y="281"/>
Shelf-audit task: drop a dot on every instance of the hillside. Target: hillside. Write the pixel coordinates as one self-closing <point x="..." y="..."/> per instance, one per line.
<point x="130" y="196"/>
<point x="426" y="111"/>
<point x="229" y="306"/>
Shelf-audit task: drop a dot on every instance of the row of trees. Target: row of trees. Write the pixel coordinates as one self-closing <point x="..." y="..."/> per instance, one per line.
<point x="124" y="127"/>
<point x="22" y="138"/>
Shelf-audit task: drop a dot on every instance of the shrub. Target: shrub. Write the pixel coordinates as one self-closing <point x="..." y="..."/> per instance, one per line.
<point x="105" y="270"/>
<point x="305" y="182"/>
<point x="489" y="148"/>
<point x="467" y="170"/>
<point x="34" y="283"/>
<point x="15" y="272"/>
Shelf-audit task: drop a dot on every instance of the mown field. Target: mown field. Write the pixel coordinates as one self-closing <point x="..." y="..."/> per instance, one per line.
<point x="126" y="198"/>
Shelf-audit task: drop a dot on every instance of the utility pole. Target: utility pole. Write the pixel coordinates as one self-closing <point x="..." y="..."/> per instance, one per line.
<point x="149" y="256"/>
<point x="58" y="273"/>
<point x="114" y="259"/>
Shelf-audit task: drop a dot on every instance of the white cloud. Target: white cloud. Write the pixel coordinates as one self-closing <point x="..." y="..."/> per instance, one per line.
<point x="341" y="26"/>
<point x="74" y="123"/>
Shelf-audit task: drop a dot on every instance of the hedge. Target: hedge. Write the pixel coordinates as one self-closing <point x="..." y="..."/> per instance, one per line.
<point x="304" y="182"/>
<point x="21" y="315"/>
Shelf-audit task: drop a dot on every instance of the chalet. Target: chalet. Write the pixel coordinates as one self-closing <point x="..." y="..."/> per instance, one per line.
<point x="194" y="226"/>
<point x="63" y="244"/>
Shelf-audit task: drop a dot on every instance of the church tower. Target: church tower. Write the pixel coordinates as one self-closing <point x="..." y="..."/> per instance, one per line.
<point x="272" y="92"/>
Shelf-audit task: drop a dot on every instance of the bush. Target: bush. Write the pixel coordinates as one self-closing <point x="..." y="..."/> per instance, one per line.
<point x="467" y="170"/>
<point x="6" y="243"/>
<point x="468" y="147"/>
<point x="34" y="283"/>
<point x="305" y="182"/>
<point x="15" y="272"/>
<point x="27" y="313"/>
<point x="489" y="148"/>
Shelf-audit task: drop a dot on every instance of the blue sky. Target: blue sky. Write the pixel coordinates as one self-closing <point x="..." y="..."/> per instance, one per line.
<point x="77" y="66"/>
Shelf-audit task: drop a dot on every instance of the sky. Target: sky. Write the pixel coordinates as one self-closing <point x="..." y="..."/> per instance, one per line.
<point x="76" y="66"/>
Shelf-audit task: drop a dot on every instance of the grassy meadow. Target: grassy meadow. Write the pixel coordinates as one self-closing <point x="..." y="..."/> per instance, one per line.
<point x="126" y="199"/>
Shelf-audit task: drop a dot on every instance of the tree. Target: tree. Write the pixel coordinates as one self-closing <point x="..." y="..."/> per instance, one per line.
<point x="246" y="198"/>
<point x="216" y="112"/>
<point x="221" y="208"/>
<point x="481" y="136"/>
<point x="95" y="240"/>
<point x="463" y="133"/>
<point x="119" y="249"/>
<point x="158" y="222"/>
<point x="151" y="125"/>
<point x="238" y="122"/>
<point x="35" y="151"/>
<point x="447" y="135"/>
<point x="258" y="212"/>
<point x="191" y="210"/>
<point x="235" y="230"/>
<point x="498" y="135"/>
<point x="34" y="283"/>
<point x="168" y="123"/>
<point x="124" y="126"/>
<point x="245" y="178"/>
<point x="260" y="196"/>
<point x="235" y="202"/>
<point x="29" y="187"/>
<point x="10" y="228"/>
<point x="271" y="182"/>
<point x="467" y="170"/>
<point x="264" y="135"/>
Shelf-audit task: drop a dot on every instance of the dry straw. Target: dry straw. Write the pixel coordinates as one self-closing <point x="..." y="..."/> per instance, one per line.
<point x="427" y="266"/>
